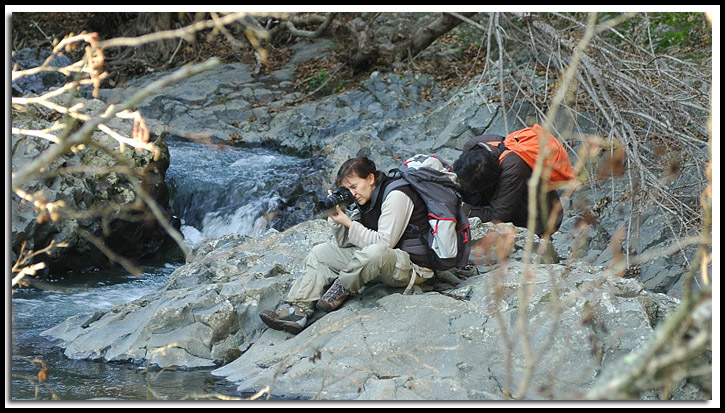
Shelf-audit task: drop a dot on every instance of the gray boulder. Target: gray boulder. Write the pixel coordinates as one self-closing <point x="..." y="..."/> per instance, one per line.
<point x="386" y="118"/>
<point x="37" y="83"/>
<point x="206" y="314"/>
<point x="430" y="346"/>
<point x="99" y="199"/>
<point x="450" y="342"/>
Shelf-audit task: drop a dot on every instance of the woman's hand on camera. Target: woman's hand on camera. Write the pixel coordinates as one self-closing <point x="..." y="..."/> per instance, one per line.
<point x="340" y="217"/>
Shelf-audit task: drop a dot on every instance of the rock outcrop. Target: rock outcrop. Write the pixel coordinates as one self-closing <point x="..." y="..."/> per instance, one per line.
<point x="391" y="117"/>
<point x="446" y="341"/>
<point x="99" y="199"/>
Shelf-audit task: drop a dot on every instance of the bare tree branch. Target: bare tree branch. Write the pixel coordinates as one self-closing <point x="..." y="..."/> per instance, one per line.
<point x="289" y="25"/>
<point x="84" y="133"/>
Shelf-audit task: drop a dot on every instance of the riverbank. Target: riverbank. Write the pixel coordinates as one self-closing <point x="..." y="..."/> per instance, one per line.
<point x="200" y="195"/>
<point x="210" y="306"/>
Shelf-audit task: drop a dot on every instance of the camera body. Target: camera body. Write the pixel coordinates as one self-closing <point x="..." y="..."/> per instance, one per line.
<point x="340" y="196"/>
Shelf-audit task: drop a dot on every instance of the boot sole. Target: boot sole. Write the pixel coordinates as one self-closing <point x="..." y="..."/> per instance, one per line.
<point x="327" y="307"/>
<point x="277" y="324"/>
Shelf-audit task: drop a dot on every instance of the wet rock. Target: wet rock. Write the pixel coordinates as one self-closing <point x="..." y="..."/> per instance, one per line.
<point x="40" y="82"/>
<point x="437" y="344"/>
<point x="99" y="199"/>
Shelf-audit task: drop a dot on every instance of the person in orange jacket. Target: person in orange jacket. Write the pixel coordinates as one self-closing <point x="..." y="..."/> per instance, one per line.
<point x="495" y="190"/>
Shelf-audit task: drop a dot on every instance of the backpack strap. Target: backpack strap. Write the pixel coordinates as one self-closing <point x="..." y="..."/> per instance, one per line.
<point x="398" y="182"/>
<point x="417" y="245"/>
<point x="482" y="145"/>
<point x="499" y="144"/>
<point x="504" y="150"/>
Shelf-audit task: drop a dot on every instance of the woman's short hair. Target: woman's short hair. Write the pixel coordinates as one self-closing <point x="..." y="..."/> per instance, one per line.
<point x="361" y="166"/>
<point x="477" y="169"/>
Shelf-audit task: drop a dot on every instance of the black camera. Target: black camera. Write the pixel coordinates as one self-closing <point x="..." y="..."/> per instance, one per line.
<point x="340" y="196"/>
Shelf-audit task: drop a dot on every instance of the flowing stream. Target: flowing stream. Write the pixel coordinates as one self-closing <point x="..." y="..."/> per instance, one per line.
<point x="215" y="190"/>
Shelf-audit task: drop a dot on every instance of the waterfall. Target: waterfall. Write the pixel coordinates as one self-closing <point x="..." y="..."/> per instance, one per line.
<point x="220" y="189"/>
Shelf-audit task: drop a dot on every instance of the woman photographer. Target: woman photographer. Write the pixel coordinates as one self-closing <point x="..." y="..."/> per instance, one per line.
<point x="367" y="247"/>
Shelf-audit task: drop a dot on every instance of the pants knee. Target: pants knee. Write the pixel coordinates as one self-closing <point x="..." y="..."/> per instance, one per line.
<point x="319" y="252"/>
<point x="375" y="250"/>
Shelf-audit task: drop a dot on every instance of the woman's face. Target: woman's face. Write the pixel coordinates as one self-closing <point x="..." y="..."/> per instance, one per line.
<point x="361" y="188"/>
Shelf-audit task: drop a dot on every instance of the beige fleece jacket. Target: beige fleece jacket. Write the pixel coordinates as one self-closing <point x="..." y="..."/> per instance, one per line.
<point x="395" y="213"/>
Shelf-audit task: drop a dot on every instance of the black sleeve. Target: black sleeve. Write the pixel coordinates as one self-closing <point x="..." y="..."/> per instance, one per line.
<point x="509" y="196"/>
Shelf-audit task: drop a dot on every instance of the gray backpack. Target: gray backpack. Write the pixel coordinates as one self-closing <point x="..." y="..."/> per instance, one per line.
<point x="446" y="241"/>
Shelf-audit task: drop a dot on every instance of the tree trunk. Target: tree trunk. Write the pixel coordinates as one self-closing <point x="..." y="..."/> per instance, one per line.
<point x="158" y="52"/>
<point x="368" y="49"/>
<point x="429" y="34"/>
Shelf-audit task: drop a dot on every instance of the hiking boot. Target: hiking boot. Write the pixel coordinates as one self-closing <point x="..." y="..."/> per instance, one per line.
<point x="289" y="318"/>
<point x="334" y="297"/>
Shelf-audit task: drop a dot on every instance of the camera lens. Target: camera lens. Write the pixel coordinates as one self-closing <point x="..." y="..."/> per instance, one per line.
<point x="340" y="196"/>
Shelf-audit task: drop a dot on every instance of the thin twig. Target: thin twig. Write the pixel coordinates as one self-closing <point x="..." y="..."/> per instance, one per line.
<point x="83" y="134"/>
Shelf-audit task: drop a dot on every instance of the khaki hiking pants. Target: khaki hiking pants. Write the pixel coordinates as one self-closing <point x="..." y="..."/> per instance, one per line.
<point x="354" y="266"/>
